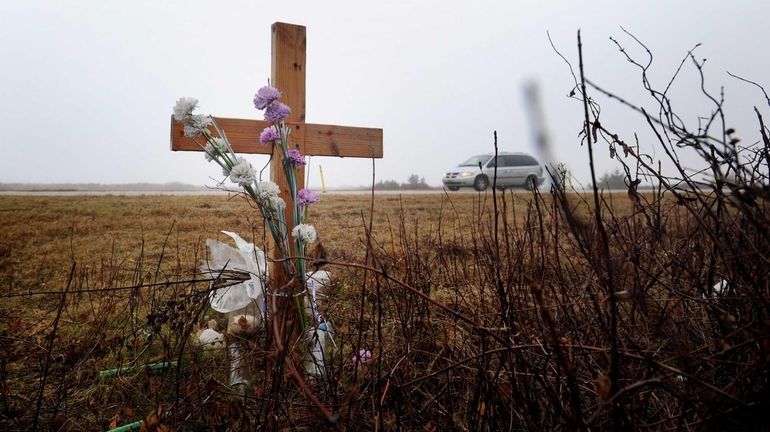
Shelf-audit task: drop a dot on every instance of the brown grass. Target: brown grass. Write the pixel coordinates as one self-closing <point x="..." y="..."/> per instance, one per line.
<point x="42" y="236"/>
<point x="469" y="329"/>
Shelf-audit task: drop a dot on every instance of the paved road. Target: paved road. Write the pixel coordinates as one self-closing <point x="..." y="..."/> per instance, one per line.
<point x="218" y="192"/>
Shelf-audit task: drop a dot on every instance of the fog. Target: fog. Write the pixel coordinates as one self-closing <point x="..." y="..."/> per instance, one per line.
<point x="88" y="86"/>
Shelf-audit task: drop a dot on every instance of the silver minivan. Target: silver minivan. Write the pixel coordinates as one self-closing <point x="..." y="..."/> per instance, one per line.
<point x="513" y="169"/>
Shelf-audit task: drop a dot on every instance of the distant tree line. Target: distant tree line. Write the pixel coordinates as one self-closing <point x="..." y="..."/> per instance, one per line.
<point x="613" y="180"/>
<point x="133" y="187"/>
<point x="616" y="180"/>
<point x="413" y="182"/>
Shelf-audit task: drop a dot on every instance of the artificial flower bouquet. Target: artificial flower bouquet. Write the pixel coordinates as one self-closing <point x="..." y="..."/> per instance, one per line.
<point x="246" y="303"/>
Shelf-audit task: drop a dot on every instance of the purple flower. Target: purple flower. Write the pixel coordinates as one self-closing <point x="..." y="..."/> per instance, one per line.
<point x="363" y="356"/>
<point x="295" y="158"/>
<point x="269" y="135"/>
<point x="305" y="197"/>
<point x="265" y="96"/>
<point x="276" y="112"/>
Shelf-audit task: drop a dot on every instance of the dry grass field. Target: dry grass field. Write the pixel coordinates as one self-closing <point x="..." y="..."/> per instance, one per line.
<point x="42" y="236"/>
<point x="480" y="315"/>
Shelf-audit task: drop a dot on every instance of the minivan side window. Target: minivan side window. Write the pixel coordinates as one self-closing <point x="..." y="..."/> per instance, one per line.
<point x="505" y="161"/>
<point x="513" y="161"/>
<point x="508" y="161"/>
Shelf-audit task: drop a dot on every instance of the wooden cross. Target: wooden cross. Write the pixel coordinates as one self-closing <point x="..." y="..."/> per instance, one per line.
<point x="288" y="76"/>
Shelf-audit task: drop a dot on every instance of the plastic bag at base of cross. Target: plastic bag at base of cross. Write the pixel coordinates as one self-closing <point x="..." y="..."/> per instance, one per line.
<point x="245" y="258"/>
<point x="241" y="302"/>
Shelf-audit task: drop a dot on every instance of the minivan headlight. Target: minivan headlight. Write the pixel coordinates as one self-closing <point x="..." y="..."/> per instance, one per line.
<point x="466" y="174"/>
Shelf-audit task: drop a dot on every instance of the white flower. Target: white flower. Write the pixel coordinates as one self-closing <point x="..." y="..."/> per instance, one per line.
<point x="214" y="148"/>
<point x="304" y="233"/>
<point x="195" y="124"/>
<point x="266" y="190"/>
<point x="184" y="107"/>
<point x="277" y="203"/>
<point x="210" y="153"/>
<point x="242" y="173"/>
<point x="226" y="170"/>
<point x="191" y="131"/>
<point x="238" y="160"/>
<point x="219" y="144"/>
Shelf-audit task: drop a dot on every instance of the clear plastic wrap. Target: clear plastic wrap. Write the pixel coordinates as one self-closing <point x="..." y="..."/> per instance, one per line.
<point x="316" y="281"/>
<point x="237" y="371"/>
<point x="244" y="258"/>
<point x="321" y="346"/>
<point x="321" y="334"/>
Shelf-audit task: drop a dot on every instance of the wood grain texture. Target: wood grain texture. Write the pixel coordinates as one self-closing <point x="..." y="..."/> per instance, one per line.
<point x="288" y="75"/>
<point x="288" y="71"/>
<point x="242" y="134"/>
<point x="320" y="139"/>
<point x="343" y="141"/>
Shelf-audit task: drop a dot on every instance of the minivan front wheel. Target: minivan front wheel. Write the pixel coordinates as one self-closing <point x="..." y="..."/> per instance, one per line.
<point x="481" y="183"/>
<point x="531" y="183"/>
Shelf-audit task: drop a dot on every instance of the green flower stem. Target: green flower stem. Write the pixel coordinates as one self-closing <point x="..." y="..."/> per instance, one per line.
<point x="277" y="230"/>
<point x="301" y="274"/>
<point x="224" y="137"/>
<point x="300" y="312"/>
<point x="291" y="176"/>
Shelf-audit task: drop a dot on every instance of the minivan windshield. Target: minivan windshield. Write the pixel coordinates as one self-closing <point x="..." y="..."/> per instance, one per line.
<point x="475" y="161"/>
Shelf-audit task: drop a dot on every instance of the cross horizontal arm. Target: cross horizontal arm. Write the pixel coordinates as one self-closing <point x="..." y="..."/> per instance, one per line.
<point x="343" y="141"/>
<point x="320" y="140"/>
<point x="243" y="136"/>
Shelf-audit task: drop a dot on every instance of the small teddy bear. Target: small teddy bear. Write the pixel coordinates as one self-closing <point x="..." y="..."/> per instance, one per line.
<point x="210" y="339"/>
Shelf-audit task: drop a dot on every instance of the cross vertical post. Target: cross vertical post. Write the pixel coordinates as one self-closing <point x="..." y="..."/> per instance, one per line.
<point x="289" y="44"/>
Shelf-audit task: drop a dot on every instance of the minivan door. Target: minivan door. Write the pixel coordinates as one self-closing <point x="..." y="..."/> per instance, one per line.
<point x="505" y="170"/>
<point x="518" y="169"/>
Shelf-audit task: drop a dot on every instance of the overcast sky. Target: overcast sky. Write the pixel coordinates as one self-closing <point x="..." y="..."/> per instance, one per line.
<point x="87" y="87"/>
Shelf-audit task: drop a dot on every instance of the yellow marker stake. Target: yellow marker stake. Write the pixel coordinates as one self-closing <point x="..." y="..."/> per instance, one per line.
<point x="323" y="183"/>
